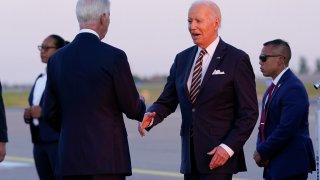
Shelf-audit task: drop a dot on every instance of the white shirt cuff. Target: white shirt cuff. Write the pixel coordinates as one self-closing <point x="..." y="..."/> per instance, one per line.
<point x="151" y="123"/>
<point x="228" y="149"/>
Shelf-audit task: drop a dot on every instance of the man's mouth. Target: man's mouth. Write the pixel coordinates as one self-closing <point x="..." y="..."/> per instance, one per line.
<point x="195" y="35"/>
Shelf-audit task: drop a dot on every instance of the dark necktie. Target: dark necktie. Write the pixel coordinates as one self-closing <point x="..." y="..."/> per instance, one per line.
<point x="196" y="77"/>
<point x="264" y="112"/>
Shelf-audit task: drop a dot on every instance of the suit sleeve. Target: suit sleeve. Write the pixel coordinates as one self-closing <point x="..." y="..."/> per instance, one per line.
<point x="246" y="105"/>
<point x="127" y="94"/>
<point x="3" y="124"/>
<point x="168" y="100"/>
<point x="51" y="109"/>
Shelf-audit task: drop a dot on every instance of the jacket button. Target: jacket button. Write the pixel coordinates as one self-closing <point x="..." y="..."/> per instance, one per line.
<point x="193" y="110"/>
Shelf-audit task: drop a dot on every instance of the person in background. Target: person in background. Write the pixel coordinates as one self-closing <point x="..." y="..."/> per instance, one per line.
<point x="214" y="84"/>
<point x="89" y="88"/>
<point x="284" y="147"/>
<point x="44" y="138"/>
<point x="3" y="128"/>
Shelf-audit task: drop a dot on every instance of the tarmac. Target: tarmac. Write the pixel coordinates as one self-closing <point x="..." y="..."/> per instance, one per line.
<point x="155" y="156"/>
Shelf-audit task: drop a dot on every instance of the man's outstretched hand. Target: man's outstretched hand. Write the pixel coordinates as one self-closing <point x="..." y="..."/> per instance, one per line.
<point x="147" y="119"/>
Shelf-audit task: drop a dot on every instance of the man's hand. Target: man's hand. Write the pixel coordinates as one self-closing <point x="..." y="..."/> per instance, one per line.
<point x="147" y="119"/>
<point x="36" y="112"/>
<point x="2" y="151"/>
<point x="27" y="115"/>
<point x="259" y="161"/>
<point x="220" y="157"/>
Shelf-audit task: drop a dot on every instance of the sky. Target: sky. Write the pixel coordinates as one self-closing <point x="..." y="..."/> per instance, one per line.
<point x="153" y="32"/>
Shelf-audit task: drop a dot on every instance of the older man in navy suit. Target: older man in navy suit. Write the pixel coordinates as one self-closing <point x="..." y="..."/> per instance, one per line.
<point x="89" y="87"/>
<point x="3" y="128"/>
<point x="214" y="84"/>
<point x="284" y="147"/>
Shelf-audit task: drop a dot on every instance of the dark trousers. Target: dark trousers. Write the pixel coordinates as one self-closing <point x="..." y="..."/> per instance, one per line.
<point x="303" y="176"/>
<point x="95" y="177"/>
<point x="196" y="175"/>
<point x="45" y="156"/>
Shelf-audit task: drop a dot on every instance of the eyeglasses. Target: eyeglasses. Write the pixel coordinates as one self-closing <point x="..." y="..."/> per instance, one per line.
<point x="45" y="48"/>
<point x="264" y="58"/>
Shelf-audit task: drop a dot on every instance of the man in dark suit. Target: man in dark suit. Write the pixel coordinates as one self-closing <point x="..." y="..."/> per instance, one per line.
<point x="89" y="87"/>
<point x="3" y="128"/>
<point x="219" y="112"/>
<point x="284" y="147"/>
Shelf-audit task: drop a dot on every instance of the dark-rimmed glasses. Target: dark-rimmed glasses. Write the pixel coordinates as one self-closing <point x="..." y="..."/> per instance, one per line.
<point x="45" y="48"/>
<point x="264" y="58"/>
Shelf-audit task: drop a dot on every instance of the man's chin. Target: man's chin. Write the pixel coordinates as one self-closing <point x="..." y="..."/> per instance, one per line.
<point x="265" y="75"/>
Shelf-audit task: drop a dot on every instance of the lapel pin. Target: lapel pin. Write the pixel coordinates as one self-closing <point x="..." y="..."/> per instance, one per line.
<point x="219" y="57"/>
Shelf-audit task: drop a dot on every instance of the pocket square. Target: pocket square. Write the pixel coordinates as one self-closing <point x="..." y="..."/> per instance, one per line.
<point x="217" y="71"/>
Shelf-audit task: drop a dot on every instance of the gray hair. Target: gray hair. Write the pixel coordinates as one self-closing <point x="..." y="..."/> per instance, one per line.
<point x="216" y="13"/>
<point x="89" y="11"/>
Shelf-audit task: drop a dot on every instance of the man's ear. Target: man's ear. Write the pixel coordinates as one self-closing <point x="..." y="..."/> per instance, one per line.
<point x="103" y="18"/>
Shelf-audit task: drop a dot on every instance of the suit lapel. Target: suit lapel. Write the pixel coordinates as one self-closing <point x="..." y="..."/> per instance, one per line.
<point x="189" y="64"/>
<point x="30" y="99"/>
<point x="282" y="80"/>
<point x="216" y="59"/>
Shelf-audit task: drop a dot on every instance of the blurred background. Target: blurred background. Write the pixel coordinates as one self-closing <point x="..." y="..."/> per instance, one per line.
<point x="151" y="33"/>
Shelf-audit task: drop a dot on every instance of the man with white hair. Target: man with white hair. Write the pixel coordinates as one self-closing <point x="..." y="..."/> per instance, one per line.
<point x="86" y="96"/>
<point x="214" y="84"/>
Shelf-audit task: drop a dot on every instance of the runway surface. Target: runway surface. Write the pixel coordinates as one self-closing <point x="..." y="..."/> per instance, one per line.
<point x="155" y="156"/>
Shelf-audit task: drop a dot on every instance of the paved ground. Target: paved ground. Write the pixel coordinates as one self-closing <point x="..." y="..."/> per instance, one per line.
<point x="155" y="156"/>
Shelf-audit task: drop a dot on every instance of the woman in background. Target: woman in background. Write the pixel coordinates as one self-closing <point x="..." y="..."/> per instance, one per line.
<point x="44" y="138"/>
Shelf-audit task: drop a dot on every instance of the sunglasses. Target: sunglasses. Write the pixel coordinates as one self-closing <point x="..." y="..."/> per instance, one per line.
<point x="264" y="58"/>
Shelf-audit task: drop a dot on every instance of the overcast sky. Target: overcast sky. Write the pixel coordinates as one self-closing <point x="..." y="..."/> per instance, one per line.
<point x="153" y="32"/>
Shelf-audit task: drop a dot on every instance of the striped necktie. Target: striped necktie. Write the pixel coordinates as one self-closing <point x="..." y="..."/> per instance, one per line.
<point x="196" y="77"/>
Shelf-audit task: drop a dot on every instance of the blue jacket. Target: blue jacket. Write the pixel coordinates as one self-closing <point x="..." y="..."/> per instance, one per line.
<point x="288" y="146"/>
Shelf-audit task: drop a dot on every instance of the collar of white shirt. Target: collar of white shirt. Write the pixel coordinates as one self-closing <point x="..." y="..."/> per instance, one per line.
<point x="211" y="48"/>
<point x="276" y="80"/>
<point x="89" y="31"/>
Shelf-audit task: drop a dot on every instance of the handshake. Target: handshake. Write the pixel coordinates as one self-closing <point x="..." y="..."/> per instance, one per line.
<point x="146" y="122"/>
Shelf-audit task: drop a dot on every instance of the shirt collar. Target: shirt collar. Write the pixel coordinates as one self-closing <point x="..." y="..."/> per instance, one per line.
<point x="212" y="47"/>
<point x="276" y="80"/>
<point x="89" y="31"/>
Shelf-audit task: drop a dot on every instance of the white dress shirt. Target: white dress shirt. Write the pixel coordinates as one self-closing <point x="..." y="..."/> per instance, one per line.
<point x="38" y="92"/>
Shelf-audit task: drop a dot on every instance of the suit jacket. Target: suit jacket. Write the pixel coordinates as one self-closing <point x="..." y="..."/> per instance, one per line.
<point x="287" y="145"/>
<point x="89" y="87"/>
<point x="3" y="123"/>
<point x="225" y="110"/>
<point x="42" y="133"/>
